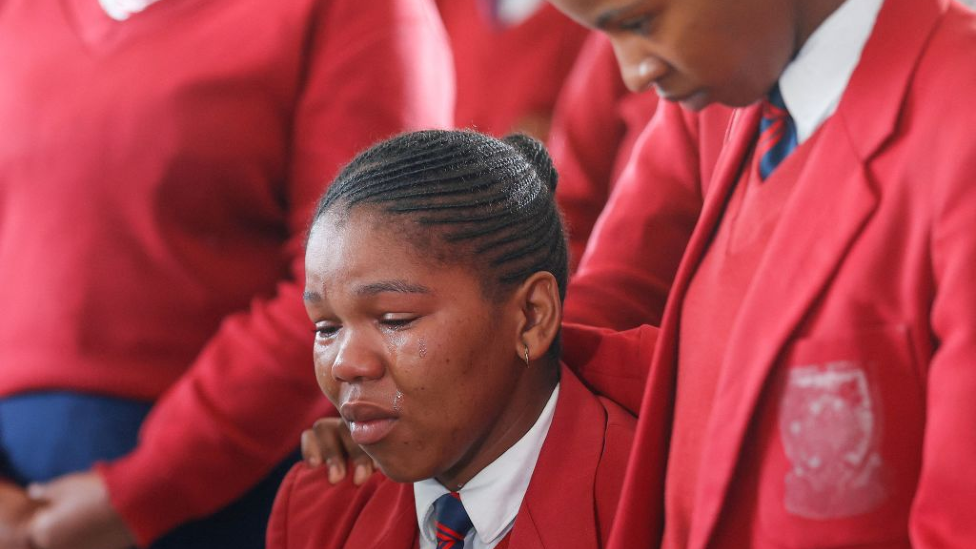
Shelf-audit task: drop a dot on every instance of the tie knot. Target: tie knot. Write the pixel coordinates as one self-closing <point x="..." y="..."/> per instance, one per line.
<point x="777" y="133"/>
<point x="774" y="107"/>
<point x="453" y="523"/>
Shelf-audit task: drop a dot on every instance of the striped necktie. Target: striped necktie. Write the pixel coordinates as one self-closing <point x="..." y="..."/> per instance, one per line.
<point x="777" y="133"/>
<point x="452" y="521"/>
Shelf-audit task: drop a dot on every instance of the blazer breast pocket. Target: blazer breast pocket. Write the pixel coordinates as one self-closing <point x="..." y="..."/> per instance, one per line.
<point x="841" y="453"/>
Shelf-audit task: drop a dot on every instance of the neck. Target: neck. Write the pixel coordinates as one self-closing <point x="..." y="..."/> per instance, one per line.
<point x="810" y="14"/>
<point x="528" y="400"/>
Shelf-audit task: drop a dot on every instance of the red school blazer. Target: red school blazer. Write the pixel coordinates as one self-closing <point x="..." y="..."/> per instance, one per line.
<point x="845" y="410"/>
<point x="594" y="128"/>
<point x="570" y="503"/>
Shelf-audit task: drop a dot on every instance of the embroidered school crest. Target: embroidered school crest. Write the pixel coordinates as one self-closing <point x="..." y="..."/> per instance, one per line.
<point x="830" y="427"/>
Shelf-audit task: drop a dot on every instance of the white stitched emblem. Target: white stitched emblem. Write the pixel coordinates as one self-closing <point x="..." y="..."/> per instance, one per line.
<point x="830" y="431"/>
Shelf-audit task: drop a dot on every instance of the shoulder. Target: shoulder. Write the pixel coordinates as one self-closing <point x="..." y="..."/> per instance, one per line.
<point x="613" y="441"/>
<point x="309" y="512"/>
<point x="934" y="136"/>
<point x="612" y="364"/>
<point x="943" y="80"/>
<point x="604" y="424"/>
<point x="618" y="440"/>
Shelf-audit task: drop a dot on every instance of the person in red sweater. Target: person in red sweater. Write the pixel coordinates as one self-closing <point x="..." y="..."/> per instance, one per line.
<point x="436" y="297"/>
<point x="157" y="169"/>
<point x="511" y="58"/>
<point x="594" y="128"/>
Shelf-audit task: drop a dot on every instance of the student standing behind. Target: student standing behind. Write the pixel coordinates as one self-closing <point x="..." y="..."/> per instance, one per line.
<point x="436" y="297"/>
<point x="511" y="57"/>
<point x="157" y="169"/>
<point x="595" y="125"/>
<point x="813" y="383"/>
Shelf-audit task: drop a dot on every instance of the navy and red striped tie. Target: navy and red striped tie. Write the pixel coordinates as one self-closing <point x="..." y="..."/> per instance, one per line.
<point x="777" y="133"/>
<point x="452" y="521"/>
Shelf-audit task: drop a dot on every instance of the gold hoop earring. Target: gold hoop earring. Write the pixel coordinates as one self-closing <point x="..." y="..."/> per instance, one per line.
<point x="526" y="354"/>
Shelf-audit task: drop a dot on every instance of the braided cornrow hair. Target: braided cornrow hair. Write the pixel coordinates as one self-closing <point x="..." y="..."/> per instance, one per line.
<point x="489" y="201"/>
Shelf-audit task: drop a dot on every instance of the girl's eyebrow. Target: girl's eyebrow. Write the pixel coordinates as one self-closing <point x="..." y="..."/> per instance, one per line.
<point x="396" y="286"/>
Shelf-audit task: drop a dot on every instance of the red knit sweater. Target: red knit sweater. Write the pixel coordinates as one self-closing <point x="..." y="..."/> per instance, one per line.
<point x="156" y="176"/>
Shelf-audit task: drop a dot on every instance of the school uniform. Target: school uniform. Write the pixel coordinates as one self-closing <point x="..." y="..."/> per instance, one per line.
<point x="843" y="385"/>
<point x="509" y="68"/>
<point x="594" y="127"/>
<point x="640" y="236"/>
<point x="570" y="500"/>
<point x="158" y="167"/>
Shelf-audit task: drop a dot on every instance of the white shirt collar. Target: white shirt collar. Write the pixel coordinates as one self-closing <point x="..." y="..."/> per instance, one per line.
<point x="514" y="12"/>
<point x="493" y="497"/>
<point x="120" y="10"/>
<point x="815" y="80"/>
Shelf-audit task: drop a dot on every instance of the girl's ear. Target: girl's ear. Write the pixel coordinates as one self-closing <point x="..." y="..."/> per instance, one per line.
<point x="540" y="314"/>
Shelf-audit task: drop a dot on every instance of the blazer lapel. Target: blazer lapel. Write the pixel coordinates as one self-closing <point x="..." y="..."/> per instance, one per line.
<point x="558" y="511"/>
<point x="739" y="138"/>
<point x="833" y="200"/>
<point x="640" y="521"/>
<point x="398" y="529"/>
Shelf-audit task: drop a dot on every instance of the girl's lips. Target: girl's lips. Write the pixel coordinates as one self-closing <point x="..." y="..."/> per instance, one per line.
<point x="371" y="431"/>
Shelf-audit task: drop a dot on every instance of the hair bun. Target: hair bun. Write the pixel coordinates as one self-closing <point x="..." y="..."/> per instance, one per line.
<point x="536" y="154"/>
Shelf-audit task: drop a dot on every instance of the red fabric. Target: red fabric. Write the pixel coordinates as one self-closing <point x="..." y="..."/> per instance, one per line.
<point x="570" y="502"/>
<point x="870" y="270"/>
<point x="156" y="177"/>
<point x="594" y="128"/>
<point x="708" y="313"/>
<point x="612" y="364"/>
<point x="624" y="278"/>
<point x="508" y="77"/>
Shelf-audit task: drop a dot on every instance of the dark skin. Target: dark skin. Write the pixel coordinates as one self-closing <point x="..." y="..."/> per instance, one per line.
<point x="700" y="52"/>
<point x="426" y="368"/>
<point x="16" y="512"/>
<point x="72" y="511"/>
<point x="697" y="52"/>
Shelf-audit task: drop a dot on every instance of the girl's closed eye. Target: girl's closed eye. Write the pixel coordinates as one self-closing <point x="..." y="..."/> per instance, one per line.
<point x="396" y="322"/>
<point x="324" y="330"/>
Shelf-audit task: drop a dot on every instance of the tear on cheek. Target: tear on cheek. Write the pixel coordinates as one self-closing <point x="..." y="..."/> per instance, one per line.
<point x="422" y="348"/>
<point x="395" y="344"/>
<point x="398" y="402"/>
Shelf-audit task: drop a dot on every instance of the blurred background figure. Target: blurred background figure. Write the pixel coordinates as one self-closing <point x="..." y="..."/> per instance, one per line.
<point x="595" y="125"/>
<point x="158" y="165"/>
<point x="511" y="58"/>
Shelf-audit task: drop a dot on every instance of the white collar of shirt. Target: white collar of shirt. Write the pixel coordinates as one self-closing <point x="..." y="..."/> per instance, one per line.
<point x="815" y="80"/>
<point x="120" y="10"/>
<point x="493" y="497"/>
<point x="513" y="12"/>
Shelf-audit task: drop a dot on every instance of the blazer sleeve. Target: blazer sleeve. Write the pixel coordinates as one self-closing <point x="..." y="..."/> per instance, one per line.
<point x="277" y="534"/>
<point x="594" y="128"/>
<point x="943" y="514"/>
<point x="584" y="139"/>
<point x="625" y="275"/>
<point x="612" y="364"/>
<point x="373" y="69"/>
